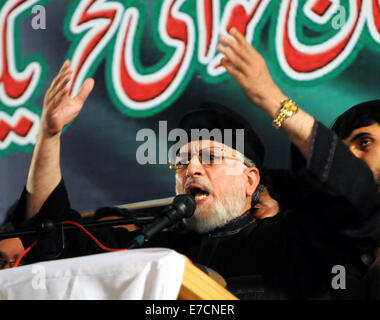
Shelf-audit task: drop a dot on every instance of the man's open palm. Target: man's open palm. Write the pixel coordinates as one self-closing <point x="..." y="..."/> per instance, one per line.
<point x="59" y="108"/>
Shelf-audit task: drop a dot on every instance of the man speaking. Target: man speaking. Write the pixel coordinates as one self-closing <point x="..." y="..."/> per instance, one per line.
<point x="290" y="255"/>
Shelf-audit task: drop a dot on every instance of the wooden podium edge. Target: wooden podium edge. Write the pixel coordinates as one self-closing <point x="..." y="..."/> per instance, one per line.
<point x="197" y="285"/>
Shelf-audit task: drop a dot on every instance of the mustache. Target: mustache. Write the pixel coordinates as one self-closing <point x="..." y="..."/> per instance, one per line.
<point x="197" y="181"/>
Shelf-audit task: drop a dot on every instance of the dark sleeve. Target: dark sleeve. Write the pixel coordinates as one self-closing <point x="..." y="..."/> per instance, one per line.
<point x="336" y="224"/>
<point x="329" y="170"/>
<point x="55" y="208"/>
<point x="288" y="188"/>
<point x="339" y="173"/>
<point x="338" y="212"/>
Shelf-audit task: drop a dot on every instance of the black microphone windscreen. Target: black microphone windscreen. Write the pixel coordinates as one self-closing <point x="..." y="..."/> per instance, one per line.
<point x="186" y="204"/>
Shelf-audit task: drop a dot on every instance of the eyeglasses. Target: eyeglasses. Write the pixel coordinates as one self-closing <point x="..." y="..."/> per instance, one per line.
<point x="5" y="263"/>
<point x="206" y="156"/>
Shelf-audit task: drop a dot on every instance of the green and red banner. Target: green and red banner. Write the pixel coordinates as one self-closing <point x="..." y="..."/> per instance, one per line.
<point x="186" y="33"/>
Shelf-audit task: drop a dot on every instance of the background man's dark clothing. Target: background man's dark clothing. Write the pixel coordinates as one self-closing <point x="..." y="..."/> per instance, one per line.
<point x="290" y="255"/>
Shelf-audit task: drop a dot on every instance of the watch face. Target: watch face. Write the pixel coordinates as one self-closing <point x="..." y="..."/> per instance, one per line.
<point x="291" y="107"/>
<point x="288" y="108"/>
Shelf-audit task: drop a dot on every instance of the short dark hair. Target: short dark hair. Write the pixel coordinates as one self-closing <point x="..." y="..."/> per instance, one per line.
<point x="360" y="115"/>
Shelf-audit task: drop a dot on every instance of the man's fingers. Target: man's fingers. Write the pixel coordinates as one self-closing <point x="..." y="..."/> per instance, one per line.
<point x="56" y="100"/>
<point x="237" y="47"/>
<point x="230" y="43"/>
<point x="246" y="48"/>
<point x="59" y="86"/>
<point x="64" y="81"/>
<point x="85" y="90"/>
<point x="63" y="70"/>
<point x="65" y="67"/>
<point x="61" y="77"/>
<point x="231" y="69"/>
<point x="238" y="36"/>
<point x="232" y="56"/>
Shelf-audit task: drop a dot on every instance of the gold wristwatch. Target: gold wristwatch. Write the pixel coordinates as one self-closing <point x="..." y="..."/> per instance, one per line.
<point x="288" y="109"/>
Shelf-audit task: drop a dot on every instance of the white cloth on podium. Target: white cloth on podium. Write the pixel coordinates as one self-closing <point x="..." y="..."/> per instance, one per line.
<point x="138" y="274"/>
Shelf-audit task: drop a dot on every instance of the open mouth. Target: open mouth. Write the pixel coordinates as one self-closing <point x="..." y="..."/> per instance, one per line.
<point x="197" y="191"/>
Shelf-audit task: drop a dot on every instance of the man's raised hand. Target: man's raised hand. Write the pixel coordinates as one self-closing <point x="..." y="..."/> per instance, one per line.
<point x="249" y="69"/>
<point x="59" y="108"/>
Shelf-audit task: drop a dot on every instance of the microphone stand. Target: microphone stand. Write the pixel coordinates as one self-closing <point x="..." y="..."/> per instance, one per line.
<point x="50" y="235"/>
<point x="92" y="224"/>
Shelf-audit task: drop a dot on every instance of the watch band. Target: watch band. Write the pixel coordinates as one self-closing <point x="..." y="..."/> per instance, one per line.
<point x="288" y="109"/>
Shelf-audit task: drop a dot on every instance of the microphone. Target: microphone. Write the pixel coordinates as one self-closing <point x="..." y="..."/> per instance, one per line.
<point x="183" y="206"/>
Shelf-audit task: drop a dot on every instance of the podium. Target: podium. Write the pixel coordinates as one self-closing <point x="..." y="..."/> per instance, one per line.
<point x="196" y="285"/>
<point x="138" y="274"/>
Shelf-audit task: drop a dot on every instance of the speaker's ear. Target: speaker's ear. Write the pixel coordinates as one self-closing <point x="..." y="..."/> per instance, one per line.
<point x="253" y="180"/>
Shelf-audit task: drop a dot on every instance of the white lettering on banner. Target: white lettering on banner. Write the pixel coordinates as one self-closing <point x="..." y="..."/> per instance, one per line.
<point x="98" y="20"/>
<point x="15" y="87"/>
<point x="140" y="93"/>
<point x="20" y="128"/>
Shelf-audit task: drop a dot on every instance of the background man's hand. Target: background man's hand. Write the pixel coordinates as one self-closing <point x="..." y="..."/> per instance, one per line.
<point x="59" y="108"/>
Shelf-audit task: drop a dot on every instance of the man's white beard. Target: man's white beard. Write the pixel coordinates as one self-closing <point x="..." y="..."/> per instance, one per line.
<point x="221" y="212"/>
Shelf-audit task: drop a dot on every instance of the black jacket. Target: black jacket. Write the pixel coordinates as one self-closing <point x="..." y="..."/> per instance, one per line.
<point x="330" y="216"/>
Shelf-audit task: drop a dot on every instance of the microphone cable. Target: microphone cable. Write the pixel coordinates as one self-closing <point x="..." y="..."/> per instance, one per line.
<point x="76" y="224"/>
<point x="183" y="207"/>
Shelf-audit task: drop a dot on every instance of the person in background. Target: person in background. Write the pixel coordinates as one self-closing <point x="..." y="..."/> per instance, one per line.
<point x="359" y="128"/>
<point x="10" y="248"/>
